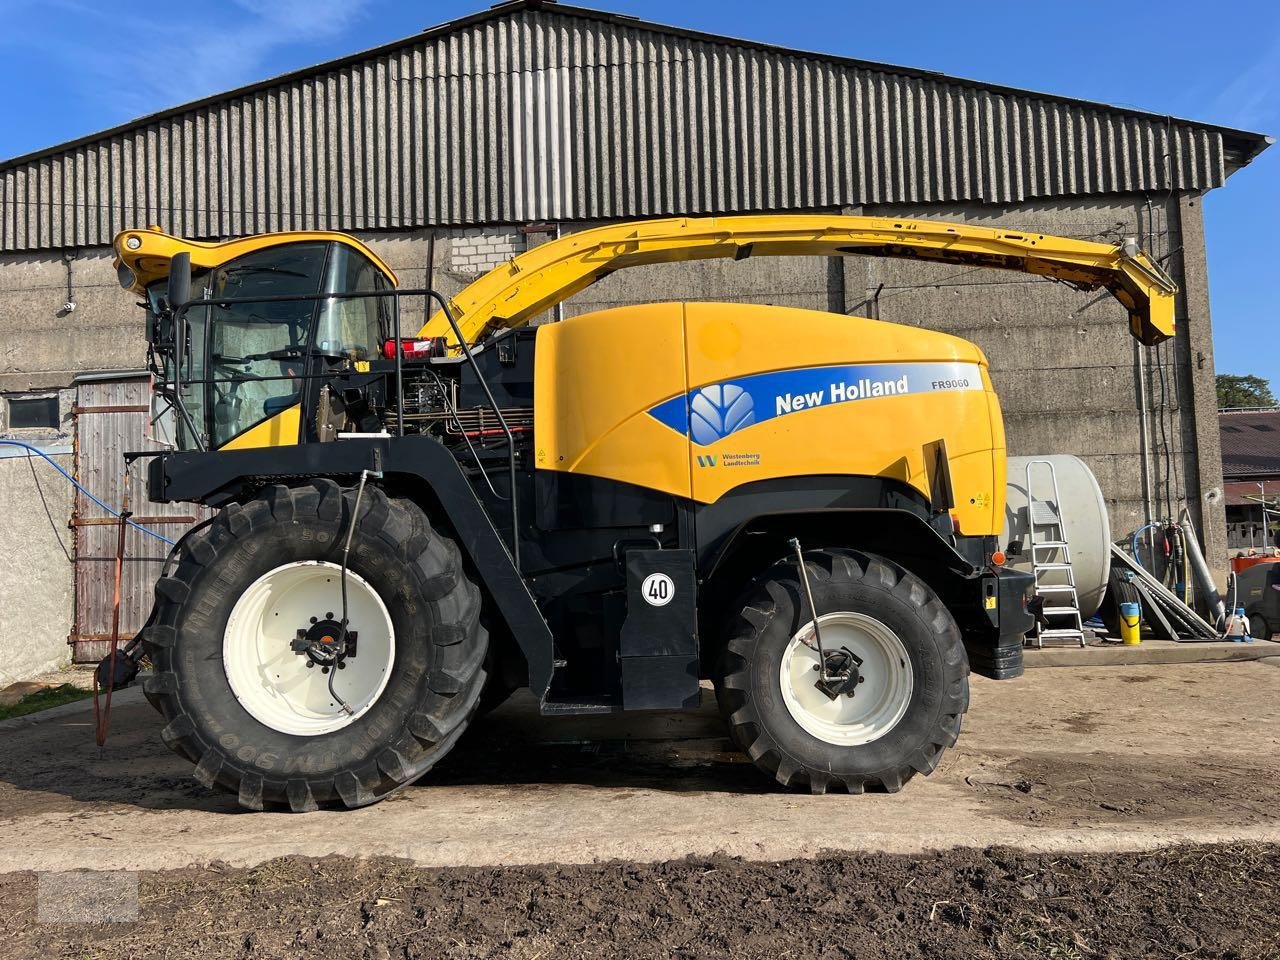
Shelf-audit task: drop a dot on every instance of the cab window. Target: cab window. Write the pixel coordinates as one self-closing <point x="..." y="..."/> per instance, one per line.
<point x="257" y="348"/>
<point x="352" y="327"/>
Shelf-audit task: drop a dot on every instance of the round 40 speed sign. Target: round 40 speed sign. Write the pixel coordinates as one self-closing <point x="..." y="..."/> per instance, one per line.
<point x="657" y="589"/>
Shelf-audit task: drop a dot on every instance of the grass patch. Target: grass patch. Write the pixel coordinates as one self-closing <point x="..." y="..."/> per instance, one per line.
<point x="44" y="699"/>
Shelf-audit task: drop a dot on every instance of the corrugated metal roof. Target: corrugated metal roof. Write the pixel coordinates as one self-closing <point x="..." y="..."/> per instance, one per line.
<point x="535" y="112"/>
<point x="1250" y="443"/>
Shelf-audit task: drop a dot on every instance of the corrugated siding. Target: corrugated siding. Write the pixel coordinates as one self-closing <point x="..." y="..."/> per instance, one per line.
<point x="102" y="438"/>
<point x="545" y="116"/>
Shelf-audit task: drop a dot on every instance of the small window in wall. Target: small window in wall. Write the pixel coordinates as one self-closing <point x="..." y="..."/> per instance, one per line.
<point x="32" y="412"/>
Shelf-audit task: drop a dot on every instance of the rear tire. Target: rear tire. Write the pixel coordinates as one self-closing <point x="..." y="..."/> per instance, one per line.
<point x="1259" y="627"/>
<point x="426" y="649"/>
<point x="1120" y="589"/>
<point x="914" y="694"/>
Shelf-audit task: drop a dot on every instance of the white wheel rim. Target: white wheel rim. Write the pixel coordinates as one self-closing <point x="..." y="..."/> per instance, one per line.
<point x="273" y="682"/>
<point x="880" y="700"/>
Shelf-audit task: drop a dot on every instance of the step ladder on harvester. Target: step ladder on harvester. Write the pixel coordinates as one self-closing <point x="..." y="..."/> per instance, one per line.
<point x="1055" y="580"/>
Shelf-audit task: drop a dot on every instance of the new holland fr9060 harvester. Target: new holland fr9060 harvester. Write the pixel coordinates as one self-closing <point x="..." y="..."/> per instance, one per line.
<point x="802" y="507"/>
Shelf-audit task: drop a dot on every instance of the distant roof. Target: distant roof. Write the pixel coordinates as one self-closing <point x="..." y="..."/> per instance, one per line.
<point x="1250" y="443"/>
<point x="535" y="110"/>
<point x="1245" y="493"/>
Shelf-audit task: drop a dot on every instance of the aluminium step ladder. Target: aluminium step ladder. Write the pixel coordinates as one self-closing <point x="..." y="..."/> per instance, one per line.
<point x="1055" y="580"/>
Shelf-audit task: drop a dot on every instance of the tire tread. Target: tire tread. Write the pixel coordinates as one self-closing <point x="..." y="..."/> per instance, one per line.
<point x="448" y="694"/>
<point x="760" y="604"/>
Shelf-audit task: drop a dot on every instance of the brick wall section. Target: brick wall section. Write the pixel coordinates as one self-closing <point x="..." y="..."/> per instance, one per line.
<point x="473" y="252"/>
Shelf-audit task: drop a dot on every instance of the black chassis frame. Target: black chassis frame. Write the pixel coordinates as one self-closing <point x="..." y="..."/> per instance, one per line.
<point x="988" y="603"/>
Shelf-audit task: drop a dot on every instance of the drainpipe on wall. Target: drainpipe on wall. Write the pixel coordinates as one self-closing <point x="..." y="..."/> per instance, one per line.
<point x="1140" y="371"/>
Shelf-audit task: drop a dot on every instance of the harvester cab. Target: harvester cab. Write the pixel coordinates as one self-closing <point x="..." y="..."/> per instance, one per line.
<point x="412" y="524"/>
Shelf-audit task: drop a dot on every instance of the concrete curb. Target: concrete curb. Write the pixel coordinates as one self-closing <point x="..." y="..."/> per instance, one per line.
<point x="1150" y="652"/>
<point x="130" y="694"/>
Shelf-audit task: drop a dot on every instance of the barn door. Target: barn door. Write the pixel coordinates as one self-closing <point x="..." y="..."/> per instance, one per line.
<point x="111" y="417"/>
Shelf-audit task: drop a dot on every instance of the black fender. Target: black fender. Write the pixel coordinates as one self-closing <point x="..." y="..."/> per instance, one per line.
<point x="749" y="530"/>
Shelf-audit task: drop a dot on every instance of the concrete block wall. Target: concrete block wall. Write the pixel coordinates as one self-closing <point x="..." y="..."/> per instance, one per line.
<point x="1062" y="360"/>
<point x="42" y="345"/>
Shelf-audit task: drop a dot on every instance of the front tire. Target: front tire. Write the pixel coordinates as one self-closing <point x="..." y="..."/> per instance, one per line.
<point x="897" y="722"/>
<point x="242" y="704"/>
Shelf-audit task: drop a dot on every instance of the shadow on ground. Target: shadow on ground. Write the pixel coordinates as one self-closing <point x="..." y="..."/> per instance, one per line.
<point x="56" y="766"/>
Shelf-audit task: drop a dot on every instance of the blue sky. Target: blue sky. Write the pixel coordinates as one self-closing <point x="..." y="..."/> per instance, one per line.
<point x="70" y="67"/>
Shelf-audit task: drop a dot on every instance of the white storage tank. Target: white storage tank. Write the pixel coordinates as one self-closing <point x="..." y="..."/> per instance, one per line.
<point x="1084" y="516"/>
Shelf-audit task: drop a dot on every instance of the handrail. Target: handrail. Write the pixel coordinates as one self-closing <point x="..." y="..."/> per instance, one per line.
<point x="515" y="292"/>
<point x="180" y="311"/>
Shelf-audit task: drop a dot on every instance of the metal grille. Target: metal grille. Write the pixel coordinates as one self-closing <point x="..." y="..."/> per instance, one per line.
<point x="533" y="114"/>
<point x="111" y="418"/>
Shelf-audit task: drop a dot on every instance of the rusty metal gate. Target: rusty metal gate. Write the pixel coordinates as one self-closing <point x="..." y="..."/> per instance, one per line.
<point x="112" y="417"/>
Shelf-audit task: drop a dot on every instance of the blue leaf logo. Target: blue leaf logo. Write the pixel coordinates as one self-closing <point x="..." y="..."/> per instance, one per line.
<point x="719" y="410"/>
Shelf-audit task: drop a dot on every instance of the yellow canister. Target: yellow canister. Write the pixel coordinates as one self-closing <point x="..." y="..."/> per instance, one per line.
<point x="1130" y="623"/>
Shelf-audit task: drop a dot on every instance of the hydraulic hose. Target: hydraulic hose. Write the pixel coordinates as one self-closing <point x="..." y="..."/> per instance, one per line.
<point x="115" y="513"/>
<point x="1134" y="543"/>
<point x="346" y="552"/>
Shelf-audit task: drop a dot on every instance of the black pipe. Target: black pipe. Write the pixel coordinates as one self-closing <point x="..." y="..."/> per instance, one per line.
<point x="493" y="404"/>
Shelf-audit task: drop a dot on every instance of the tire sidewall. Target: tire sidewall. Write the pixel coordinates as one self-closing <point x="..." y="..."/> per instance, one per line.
<point x="925" y="649"/>
<point x="206" y="694"/>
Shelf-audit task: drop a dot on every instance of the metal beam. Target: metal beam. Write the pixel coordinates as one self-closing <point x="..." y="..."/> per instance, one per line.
<point x="516" y="292"/>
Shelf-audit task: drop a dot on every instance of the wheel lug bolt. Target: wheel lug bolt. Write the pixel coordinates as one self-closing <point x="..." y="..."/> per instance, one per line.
<point x="328" y="616"/>
<point x="310" y="664"/>
<point x="314" y="620"/>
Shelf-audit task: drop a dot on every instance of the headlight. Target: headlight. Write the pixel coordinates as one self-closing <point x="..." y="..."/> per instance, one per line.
<point x="133" y="242"/>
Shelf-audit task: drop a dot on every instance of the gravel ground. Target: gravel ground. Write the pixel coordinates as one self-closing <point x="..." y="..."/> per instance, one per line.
<point x="1181" y="902"/>
<point x="1072" y="760"/>
<point x="1092" y="812"/>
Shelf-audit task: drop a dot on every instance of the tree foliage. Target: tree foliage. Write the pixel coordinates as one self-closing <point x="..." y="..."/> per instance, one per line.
<point x="1246" y="391"/>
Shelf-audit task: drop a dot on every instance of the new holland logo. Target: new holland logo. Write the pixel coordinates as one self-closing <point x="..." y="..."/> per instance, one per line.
<point x="719" y="410"/>
<point x="709" y="414"/>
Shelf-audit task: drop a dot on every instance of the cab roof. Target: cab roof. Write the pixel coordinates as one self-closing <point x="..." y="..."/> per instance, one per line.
<point x="146" y="252"/>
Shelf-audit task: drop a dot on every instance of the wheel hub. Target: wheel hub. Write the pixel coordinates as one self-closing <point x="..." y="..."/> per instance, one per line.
<point x="857" y="690"/>
<point x="841" y="674"/>
<point x="324" y="642"/>
<point x="283" y="626"/>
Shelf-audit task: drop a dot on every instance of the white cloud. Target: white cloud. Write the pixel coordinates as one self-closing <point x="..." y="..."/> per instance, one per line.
<point x="1252" y="99"/>
<point x="133" y="64"/>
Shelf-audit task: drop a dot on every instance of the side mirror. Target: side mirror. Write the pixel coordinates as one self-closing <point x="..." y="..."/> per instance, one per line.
<point x="179" y="291"/>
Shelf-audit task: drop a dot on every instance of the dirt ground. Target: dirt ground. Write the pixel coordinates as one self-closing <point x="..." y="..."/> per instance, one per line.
<point x="1073" y="760"/>
<point x="1175" y="902"/>
<point x="1093" y="812"/>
